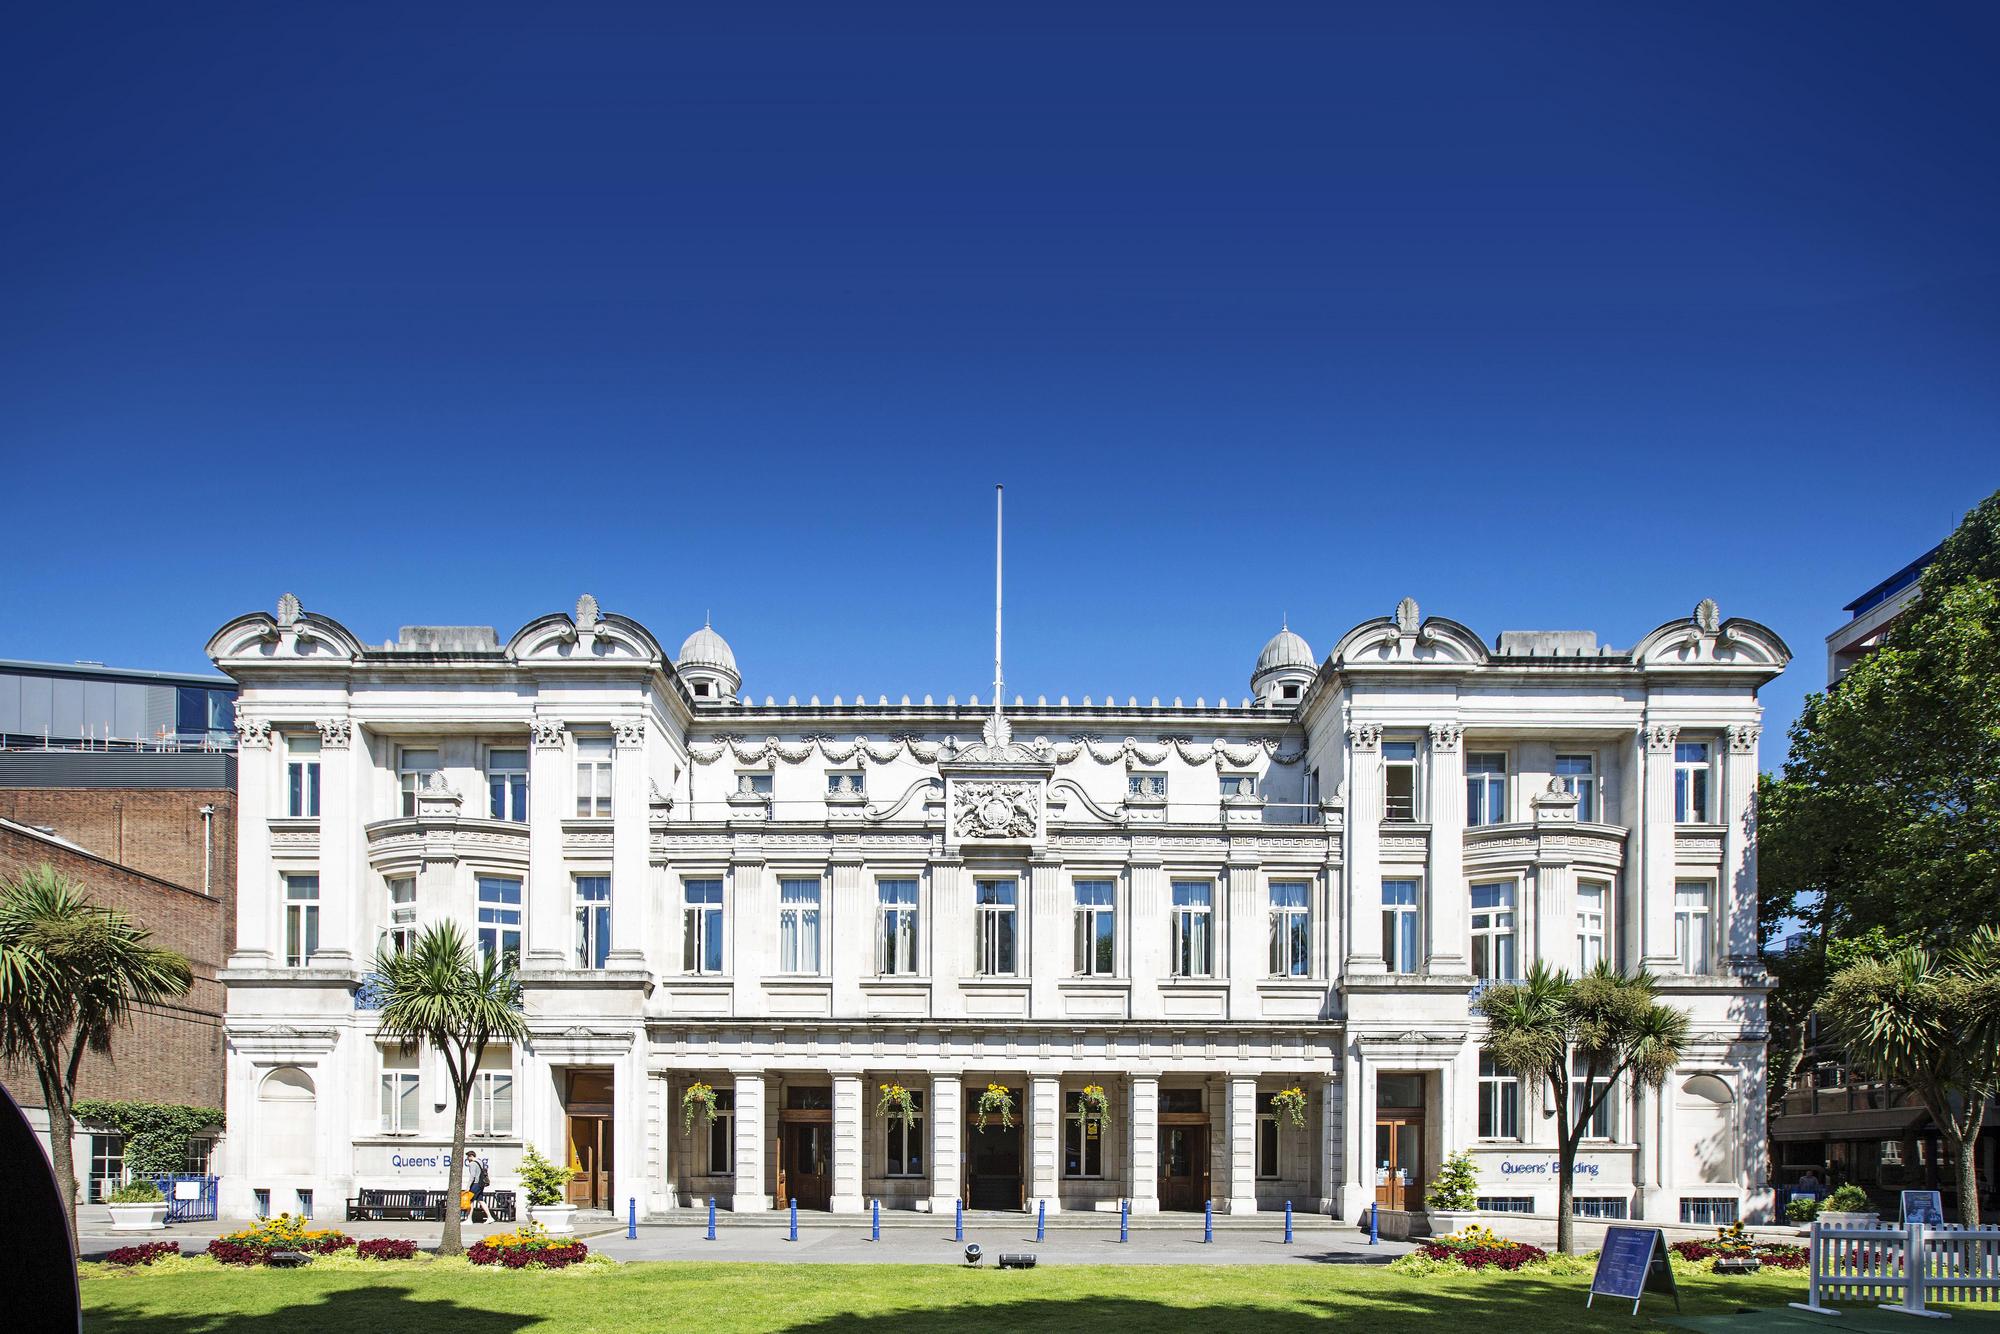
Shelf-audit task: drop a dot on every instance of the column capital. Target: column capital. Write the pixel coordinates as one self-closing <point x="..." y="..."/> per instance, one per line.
<point x="335" y="733"/>
<point x="1659" y="738"/>
<point x="253" y="733"/>
<point x="1364" y="737"/>
<point x="1445" y="736"/>
<point x="1743" y="738"/>
<point x="630" y="733"/>
<point x="550" y="733"/>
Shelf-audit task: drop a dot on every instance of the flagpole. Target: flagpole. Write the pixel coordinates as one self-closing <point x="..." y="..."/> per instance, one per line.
<point x="998" y="680"/>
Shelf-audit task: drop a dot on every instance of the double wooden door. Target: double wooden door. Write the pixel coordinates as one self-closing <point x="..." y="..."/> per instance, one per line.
<point x="805" y="1163"/>
<point x="993" y="1177"/>
<point x="1183" y="1166"/>
<point x="590" y="1158"/>
<point x="1399" y="1160"/>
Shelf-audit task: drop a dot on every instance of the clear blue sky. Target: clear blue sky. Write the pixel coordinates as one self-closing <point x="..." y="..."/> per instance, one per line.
<point x="1551" y="315"/>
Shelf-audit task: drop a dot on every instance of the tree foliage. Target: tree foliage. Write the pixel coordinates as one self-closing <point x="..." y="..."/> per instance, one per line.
<point x="156" y="1134"/>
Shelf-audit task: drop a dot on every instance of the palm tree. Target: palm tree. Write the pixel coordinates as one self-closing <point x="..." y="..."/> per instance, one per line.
<point x="442" y="993"/>
<point x="70" y="973"/>
<point x="1599" y="1029"/>
<point x="1932" y="1025"/>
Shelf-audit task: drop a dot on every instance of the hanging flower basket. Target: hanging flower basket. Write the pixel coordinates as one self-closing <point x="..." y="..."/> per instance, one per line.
<point x="897" y="1106"/>
<point x="1291" y="1104"/>
<point x="698" y="1098"/>
<point x="1093" y="1108"/>
<point x="996" y="1101"/>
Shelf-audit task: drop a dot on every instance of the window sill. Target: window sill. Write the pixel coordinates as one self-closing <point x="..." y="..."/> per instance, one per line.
<point x="1094" y="982"/>
<point x="983" y="980"/>
<point x="1291" y="984"/>
<point x="701" y="980"/>
<point x="818" y="981"/>
<point x="896" y="980"/>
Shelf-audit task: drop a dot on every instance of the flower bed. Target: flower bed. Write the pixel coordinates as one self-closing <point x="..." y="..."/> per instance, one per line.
<point x="1477" y="1247"/>
<point x="386" y="1248"/>
<point x="1775" y="1254"/>
<point x="143" y="1254"/>
<point x="256" y="1245"/>
<point x="526" y="1247"/>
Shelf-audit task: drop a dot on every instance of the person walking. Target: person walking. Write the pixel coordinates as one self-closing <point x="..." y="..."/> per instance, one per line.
<point x="478" y="1177"/>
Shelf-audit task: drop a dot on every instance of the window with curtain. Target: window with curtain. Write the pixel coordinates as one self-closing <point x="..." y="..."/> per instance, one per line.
<point x="798" y="926"/>
<point x="896" y="927"/>
<point x="1402" y="935"/>
<point x="1096" y="928"/>
<point x="593" y="920"/>
<point x="1291" y="928"/>
<point x="1192" y="938"/>
<point x="995" y="906"/>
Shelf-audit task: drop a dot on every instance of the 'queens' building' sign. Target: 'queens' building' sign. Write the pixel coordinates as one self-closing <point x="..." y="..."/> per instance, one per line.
<point x="1518" y="1167"/>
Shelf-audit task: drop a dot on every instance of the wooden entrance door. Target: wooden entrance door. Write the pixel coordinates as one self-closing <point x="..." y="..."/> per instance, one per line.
<point x="1183" y="1166"/>
<point x="806" y="1163"/>
<point x="1399" y="1160"/>
<point x="993" y="1178"/>
<point x="587" y="1099"/>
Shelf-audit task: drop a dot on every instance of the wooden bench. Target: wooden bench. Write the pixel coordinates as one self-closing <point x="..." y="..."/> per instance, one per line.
<point x="416" y="1205"/>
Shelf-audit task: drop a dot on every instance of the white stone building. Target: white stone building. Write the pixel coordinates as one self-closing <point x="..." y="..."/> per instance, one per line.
<point x="1193" y="905"/>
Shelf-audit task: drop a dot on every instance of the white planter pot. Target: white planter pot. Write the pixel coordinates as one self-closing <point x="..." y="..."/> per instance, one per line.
<point x="1444" y="1222"/>
<point x="138" y="1217"/>
<point x="554" y="1217"/>
<point x="1833" y="1219"/>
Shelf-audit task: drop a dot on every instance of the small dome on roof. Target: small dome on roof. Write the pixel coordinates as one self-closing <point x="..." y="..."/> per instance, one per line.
<point x="1286" y="649"/>
<point x="705" y="648"/>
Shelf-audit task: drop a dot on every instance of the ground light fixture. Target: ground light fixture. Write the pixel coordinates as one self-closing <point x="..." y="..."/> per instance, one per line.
<point x="1016" y="1261"/>
<point x="972" y="1253"/>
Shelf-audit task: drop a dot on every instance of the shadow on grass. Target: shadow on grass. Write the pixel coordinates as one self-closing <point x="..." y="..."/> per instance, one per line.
<point x="359" y="1310"/>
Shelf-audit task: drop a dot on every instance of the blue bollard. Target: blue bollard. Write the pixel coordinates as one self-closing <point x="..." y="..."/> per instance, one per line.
<point x="875" y="1227"/>
<point x="711" y="1218"/>
<point x="632" y="1218"/>
<point x="1374" y="1222"/>
<point x="1208" y="1221"/>
<point x="958" y="1220"/>
<point x="1288" y="1222"/>
<point x="1124" y="1220"/>
<point x="1041" y="1219"/>
<point x="795" y="1221"/>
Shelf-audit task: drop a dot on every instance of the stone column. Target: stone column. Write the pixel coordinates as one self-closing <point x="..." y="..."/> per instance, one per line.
<point x="1246" y="934"/>
<point x="1142" y="1185"/>
<point x="1364" y="844"/>
<point x="848" y="1143"/>
<point x="1357" y="1159"/>
<point x="1046" y="942"/>
<point x="1655" y="894"/>
<point x="946" y="1114"/>
<point x="345" y="920"/>
<point x="944" y="933"/>
<point x="847" y="930"/>
<point x="1330" y="1154"/>
<point x="1738" y="890"/>
<point x="749" y="929"/>
<point x="1554" y="918"/>
<point x="548" y="891"/>
<point x="1145" y="933"/>
<point x="631" y="857"/>
<point x="260" y="940"/>
<point x="751" y="1197"/>
<point x="1242" y="1186"/>
<point x="1448" y="922"/>
<point x="1044" y="1141"/>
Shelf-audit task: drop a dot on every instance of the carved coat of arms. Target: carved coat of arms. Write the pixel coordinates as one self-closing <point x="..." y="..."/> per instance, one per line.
<point x="994" y="810"/>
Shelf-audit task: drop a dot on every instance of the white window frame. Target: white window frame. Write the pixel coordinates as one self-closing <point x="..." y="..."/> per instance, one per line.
<point x="897" y="927"/>
<point x="846" y="782"/>
<point x="1604" y="1127"/>
<point x="1499" y="1101"/>
<point x="1486" y="789"/>
<point x="412" y="777"/>
<point x="1088" y="920"/>
<point x="1694" y="782"/>
<point x="1289" y="922"/>
<point x="1393" y="760"/>
<point x="795" y="915"/>
<point x="1078" y="1140"/>
<point x="506" y="788"/>
<point x="1191" y="923"/>
<point x="1269" y="1134"/>
<point x="593" y="910"/>
<point x="401" y="1092"/>
<point x="503" y="919"/>
<point x="1394" y="936"/>
<point x="486" y="1103"/>
<point x="1593" y="925"/>
<point x="702" y="927"/>
<point x="301" y="918"/>
<point x="903" y="1143"/>
<point x="595" y="756"/>
<point x="1581" y="784"/>
<point x="1146" y="783"/>
<point x="1694" y="927"/>
<point x="402" y="931"/>
<point x="756" y="781"/>
<point x="1238" y="785"/>
<point x="988" y="937"/>
<point x="1495" y="927"/>
<point x="723" y="1125"/>
<point x="302" y="776"/>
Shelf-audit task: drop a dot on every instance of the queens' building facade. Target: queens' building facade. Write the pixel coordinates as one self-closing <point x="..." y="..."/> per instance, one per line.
<point x="1255" y="928"/>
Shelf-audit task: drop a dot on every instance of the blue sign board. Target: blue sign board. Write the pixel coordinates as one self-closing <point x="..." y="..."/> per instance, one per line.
<point x="1923" y="1206"/>
<point x="1633" y="1260"/>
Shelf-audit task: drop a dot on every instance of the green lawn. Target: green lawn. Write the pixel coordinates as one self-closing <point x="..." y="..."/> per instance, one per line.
<point x="859" y="1299"/>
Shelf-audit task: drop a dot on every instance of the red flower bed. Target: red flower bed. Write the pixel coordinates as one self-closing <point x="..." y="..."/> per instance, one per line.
<point x="143" y="1254"/>
<point x="1776" y="1254"/>
<point x="1508" y="1255"/>
<point x="521" y="1249"/>
<point x="386" y="1248"/>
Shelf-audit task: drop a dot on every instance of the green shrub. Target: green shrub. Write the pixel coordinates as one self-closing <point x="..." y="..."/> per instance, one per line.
<point x="1802" y="1208"/>
<point x="1456" y="1186"/>
<point x="139" y="1191"/>
<point x="1848" y="1199"/>
<point x="541" y="1180"/>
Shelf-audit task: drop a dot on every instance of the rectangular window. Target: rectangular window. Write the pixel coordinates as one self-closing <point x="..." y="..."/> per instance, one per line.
<point x="798" y="926"/>
<point x="1146" y="785"/>
<point x="1708" y="1213"/>
<point x="722" y="1136"/>
<point x="1600" y="1206"/>
<point x="1578" y="775"/>
<point x="896" y="927"/>
<point x="1486" y="788"/>
<point x="302" y="777"/>
<point x="500" y="919"/>
<point x="1402" y="937"/>
<point x="1096" y="928"/>
<point x="1506" y="1204"/>
<point x="402" y="914"/>
<point x="1399" y="780"/>
<point x="1693" y="927"/>
<point x="399" y="1102"/>
<point x="1239" y="785"/>
<point x="847" y="783"/>
<point x="492" y="1107"/>
<point x="1603" y="1123"/>
<point x="1267" y="1138"/>
<point x="701" y="926"/>
<point x="507" y="785"/>
<point x="301" y="919"/>
<point x="994" y="902"/>
<point x="1291" y="928"/>
<point x="1493" y="931"/>
<point x="593" y="920"/>
<point x="593" y="778"/>
<point x="413" y="773"/>
<point x="1192" y="929"/>
<point x="107" y="1166"/>
<point x="904" y="1142"/>
<point x="1592" y="901"/>
<point x="1691" y="782"/>
<point x="1499" y="1101"/>
<point x="1083" y="1141"/>
<point x="758" y="782"/>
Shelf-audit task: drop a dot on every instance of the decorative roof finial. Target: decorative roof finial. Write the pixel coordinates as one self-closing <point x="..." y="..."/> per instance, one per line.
<point x="288" y="610"/>
<point x="1407" y="619"/>
<point x="1707" y="616"/>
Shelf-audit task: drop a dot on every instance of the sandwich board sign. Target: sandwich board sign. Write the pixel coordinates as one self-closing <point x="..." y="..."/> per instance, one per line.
<point x="1923" y="1206"/>
<point x="1634" y="1259"/>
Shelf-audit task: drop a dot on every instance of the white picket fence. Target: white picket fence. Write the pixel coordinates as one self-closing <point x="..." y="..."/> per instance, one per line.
<point x="1874" y="1264"/>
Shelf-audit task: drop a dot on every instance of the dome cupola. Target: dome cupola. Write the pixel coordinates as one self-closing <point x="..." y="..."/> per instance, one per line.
<point x="1284" y="669"/>
<point x="707" y="665"/>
